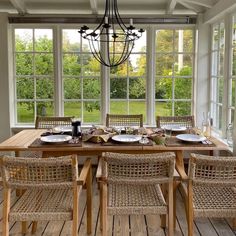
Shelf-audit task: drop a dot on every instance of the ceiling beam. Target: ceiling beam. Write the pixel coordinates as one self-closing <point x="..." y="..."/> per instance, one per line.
<point x="219" y="9"/>
<point x="94" y="6"/>
<point x="20" y="6"/>
<point x="195" y="8"/>
<point x="204" y="3"/>
<point x="171" y="6"/>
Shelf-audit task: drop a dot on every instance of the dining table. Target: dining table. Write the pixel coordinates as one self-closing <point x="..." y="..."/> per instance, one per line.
<point x="29" y="140"/>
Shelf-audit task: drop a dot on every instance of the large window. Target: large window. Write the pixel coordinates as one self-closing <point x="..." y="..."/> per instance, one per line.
<point x="34" y="74"/>
<point x="128" y="82"/>
<point x="217" y="73"/>
<point x="174" y="72"/>
<point x="56" y="74"/>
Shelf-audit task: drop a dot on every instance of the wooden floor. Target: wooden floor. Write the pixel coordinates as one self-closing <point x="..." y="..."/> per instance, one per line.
<point x="125" y="225"/>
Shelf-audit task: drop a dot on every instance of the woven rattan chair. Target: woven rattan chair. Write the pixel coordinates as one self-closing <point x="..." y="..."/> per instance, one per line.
<point x="186" y="121"/>
<point x="211" y="188"/>
<point x="44" y="122"/>
<point x="124" y="120"/>
<point x="130" y="184"/>
<point x="51" y="190"/>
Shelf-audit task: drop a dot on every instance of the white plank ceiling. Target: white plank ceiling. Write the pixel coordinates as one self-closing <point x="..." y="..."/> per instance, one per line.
<point x="139" y="8"/>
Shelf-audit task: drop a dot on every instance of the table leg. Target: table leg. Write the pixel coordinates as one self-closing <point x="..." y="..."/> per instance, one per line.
<point x="180" y="164"/>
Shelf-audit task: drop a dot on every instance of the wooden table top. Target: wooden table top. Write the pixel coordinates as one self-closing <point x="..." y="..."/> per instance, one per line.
<point x="22" y="141"/>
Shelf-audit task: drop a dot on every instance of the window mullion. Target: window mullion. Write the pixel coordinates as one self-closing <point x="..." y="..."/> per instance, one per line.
<point x="58" y="85"/>
<point x="151" y="75"/>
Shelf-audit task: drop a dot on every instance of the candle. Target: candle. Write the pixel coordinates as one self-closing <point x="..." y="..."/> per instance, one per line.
<point x="131" y="21"/>
<point x="106" y="20"/>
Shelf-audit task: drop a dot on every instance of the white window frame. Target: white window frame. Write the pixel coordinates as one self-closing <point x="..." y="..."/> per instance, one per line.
<point x="105" y="81"/>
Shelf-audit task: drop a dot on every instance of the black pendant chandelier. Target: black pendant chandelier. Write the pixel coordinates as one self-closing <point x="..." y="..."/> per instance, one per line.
<point x="113" y="36"/>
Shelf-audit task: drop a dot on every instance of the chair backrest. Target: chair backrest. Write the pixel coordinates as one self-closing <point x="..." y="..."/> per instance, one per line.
<point x="124" y="120"/>
<point x="212" y="170"/>
<point x="186" y="121"/>
<point x="20" y="172"/>
<point x="44" y="122"/>
<point x="138" y="168"/>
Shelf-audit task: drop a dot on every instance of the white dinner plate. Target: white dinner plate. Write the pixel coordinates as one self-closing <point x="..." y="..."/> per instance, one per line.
<point x="60" y="129"/>
<point x="56" y="138"/>
<point x="174" y="127"/>
<point x="126" y="138"/>
<point x="190" y="137"/>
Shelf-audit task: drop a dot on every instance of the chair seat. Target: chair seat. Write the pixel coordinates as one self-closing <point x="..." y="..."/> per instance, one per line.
<point x="214" y="201"/>
<point x="52" y="204"/>
<point x="135" y="199"/>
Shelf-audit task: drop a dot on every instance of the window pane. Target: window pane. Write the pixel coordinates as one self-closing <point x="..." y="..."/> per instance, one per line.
<point x="164" y="64"/>
<point x="234" y="62"/>
<point x="214" y="65"/>
<point x="184" y="40"/>
<point x="45" y="108"/>
<point x="118" y="88"/>
<point x="44" y="88"/>
<point x="25" y="88"/>
<point x="70" y="40"/>
<point x="222" y="36"/>
<point x="164" y="41"/>
<point x="140" y="45"/>
<point x="43" y="40"/>
<point x="220" y="87"/>
<point x="163" y="88"/>
<point x="215" y="43"/>
<point x="121" y="70"/>
<point x="91" y="112"/>
<point x="72" y="88"/>
<point x="182" y="108"/>
<point x="231" y="116"/>
<point x="91" y="66"/>
<point x="24" y="64"/>
<point x="71" y="64"/>
<point x="163" y="108"/>
<point x="137" y="88"/>
<point x="91" y="88"/>
<point x="138" y="107"/>
<point x="183" y="88"/>
<point x="72" y="109"/>
<point x="137" y="65"/>
<point x="233" y="93"/>
<point x="25" y="112"/>
<point x="221" y="69"/>
<point x="118" y="107"/>
<point x="43" y="64"/>
<point x="23" y="40"/>
<point x="183" y="64"/>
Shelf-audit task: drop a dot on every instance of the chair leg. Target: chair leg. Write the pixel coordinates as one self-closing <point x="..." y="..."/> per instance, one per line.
<point x="75" y="222"/>
<point x="34" y="227"/>
<point x="101" y="204"/>
<point x="104" y="210"/>
<point x="175" y="186"/>
<point x="89" y="201"/>
<point x="163" y="217"/>
<point x="234" y="223"/>
<point x="6" y="209"/>
<point x="190" y="210"/>
<point x="24" y="227"/>
<point x="170" y="210"/>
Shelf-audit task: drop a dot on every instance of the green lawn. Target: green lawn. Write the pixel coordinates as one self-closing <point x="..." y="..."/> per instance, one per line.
<point x="26" y="115"/>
